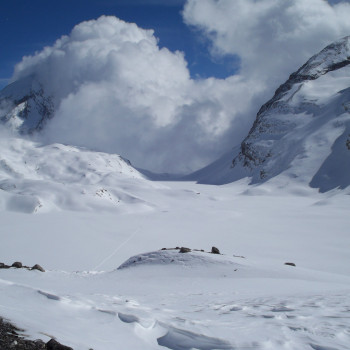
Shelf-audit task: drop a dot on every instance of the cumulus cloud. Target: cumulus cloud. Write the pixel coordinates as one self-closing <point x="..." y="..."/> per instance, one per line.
<point x="273" y="38"/>
<point x="115" y="90"/>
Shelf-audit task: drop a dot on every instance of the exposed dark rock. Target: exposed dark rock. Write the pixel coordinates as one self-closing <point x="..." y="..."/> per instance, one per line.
<point x="4" y="266"/>
<point x="289" y="264"/>
<point x="37" y="267"/>
<point x="17" y="264"/>
<point x="55" y="345"/>
<point x="38" y="107"/>
<point x="215" y="250"/>
<point x="184" y="250"/>
<point x="10" y="339"/>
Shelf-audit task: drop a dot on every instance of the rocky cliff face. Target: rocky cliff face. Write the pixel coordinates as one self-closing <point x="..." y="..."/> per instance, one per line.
<point x="302" y="131"/>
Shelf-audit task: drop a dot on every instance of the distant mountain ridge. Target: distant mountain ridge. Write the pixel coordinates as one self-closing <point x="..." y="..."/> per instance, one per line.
<point x="302" y="131"/>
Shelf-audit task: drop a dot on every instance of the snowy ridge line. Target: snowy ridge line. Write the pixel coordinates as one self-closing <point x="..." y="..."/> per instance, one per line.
<point x="301" y="134"/>
<point x="40" y="179"/>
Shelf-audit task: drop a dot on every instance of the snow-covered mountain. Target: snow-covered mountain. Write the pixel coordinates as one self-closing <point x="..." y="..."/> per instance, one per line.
<point x="36" y="178"/>
<point x="97" y="212"/>
<point x="302" y="132"/>
<point x="25" y="106"/>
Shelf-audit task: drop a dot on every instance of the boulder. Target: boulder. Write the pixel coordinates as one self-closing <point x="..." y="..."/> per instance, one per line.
<point x="55" y="345"/>
<point x="37" y="267"/>
<point x="17" y="264"/>
<point x="184" y="250"/>
<point x="215" y="250"/>
<point x="39" y="344"/>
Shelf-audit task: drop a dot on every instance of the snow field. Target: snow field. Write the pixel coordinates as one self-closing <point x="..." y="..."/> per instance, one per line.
<point x="199" y="300"/>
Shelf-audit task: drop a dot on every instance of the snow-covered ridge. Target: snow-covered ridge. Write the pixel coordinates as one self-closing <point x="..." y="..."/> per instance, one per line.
<point x="332" y="57"/>
<point x="302" y="132"/>
<point x="35" y="178"/>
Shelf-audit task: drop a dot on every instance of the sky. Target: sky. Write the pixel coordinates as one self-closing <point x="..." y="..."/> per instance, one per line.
<point x="169" y="84"/>
<point x="31" y="25"/>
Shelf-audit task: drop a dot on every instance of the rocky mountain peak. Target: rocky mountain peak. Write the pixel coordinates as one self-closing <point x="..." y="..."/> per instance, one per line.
<point x="331" y="58"/>
<point x="302" y="132"/>
<point x="288" y="110"/>
<point x="25" y="106"/>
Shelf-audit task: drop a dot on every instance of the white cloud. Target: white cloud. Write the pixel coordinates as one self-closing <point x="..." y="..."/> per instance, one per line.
<point x="272" y="37"/>
<point x="109" y="75"/>
<point x="117" y="91"/>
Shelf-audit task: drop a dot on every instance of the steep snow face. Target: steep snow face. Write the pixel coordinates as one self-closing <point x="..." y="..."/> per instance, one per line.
<point x="302" y="131"/>
<point x="35" y="178"/>
<point x="25" y="106"/>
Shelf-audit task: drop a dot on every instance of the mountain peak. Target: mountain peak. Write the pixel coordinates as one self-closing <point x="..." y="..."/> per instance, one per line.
<point x="332" y="57"/>
<point x="25" y="106"/>
<point x="302" y="131"/>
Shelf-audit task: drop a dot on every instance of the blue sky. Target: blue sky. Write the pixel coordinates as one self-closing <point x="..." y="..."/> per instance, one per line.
<point x="28" y="26"/>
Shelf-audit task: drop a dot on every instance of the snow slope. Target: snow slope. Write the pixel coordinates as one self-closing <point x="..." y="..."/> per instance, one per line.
<point x="36" y="178"/>
<point x="302" y="132"/>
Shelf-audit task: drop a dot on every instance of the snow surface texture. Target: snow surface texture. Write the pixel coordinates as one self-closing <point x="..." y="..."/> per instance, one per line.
<point x="301" y="132"/>
<point x="193" y="300"/>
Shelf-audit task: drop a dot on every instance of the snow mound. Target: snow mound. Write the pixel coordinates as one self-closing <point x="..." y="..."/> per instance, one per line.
<point x="174" y="257"/>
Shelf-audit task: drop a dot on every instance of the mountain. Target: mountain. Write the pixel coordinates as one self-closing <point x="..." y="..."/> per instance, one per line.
<point x="25" y="106"/>
<point x="37" y="178"/>
<point x="302" y="132"/>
